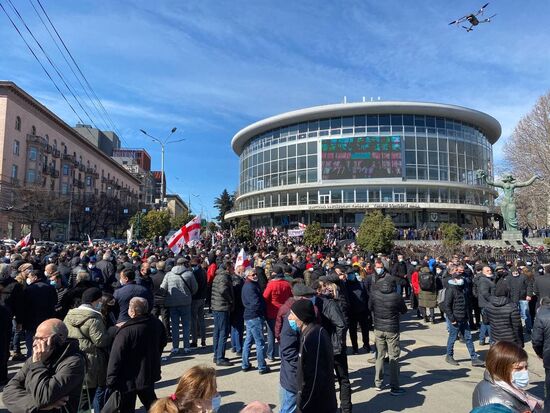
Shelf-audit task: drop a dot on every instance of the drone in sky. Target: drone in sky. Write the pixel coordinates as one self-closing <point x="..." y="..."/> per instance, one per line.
<point x="473" y="19"/>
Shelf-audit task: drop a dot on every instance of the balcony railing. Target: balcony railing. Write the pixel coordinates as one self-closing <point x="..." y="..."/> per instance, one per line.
<point x="37" y="139"/>
<point x="68" y="157"/>
<point x="90" y="171"/>
<point x="56" y="153"/>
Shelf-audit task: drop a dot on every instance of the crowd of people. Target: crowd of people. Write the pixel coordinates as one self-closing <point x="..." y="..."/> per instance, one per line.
<point x="435" y="234"/>
<point x="95" y="320"/>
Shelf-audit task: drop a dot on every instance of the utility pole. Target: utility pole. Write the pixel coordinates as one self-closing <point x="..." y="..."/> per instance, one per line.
<point x="70" y="215"/>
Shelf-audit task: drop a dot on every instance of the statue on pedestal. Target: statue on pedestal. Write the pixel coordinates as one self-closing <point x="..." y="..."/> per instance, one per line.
<point x="508" y="205"/>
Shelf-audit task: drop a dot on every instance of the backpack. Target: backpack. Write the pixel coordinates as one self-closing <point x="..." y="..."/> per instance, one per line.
<point x="426" y="281"/>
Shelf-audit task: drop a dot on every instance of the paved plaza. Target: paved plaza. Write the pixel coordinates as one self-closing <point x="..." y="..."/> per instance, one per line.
<point x="431" y="384"/>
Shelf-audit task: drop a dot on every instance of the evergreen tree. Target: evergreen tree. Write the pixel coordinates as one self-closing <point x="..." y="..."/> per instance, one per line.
<point x="224" y="203"/>
<point x="314" y="235"/>
<point x="376" y="233"/>
<point x="243" y="232"/>
<point x="453" y="235"/>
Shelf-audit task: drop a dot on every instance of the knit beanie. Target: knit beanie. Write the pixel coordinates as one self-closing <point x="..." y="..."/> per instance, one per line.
<point x="303" y="309"/>
<point x="90" y="295"/>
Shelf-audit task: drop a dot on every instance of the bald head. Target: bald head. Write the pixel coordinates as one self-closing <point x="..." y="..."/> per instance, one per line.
<point x="52" y="327"/>
<point x="257" y="407"/>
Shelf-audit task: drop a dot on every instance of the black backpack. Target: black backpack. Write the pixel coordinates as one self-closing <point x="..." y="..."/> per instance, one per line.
<point x="426" y="281"/>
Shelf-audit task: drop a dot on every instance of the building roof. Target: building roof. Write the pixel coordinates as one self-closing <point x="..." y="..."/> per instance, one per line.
<point x="48" y="113"/>
<point x="178" y="199"/>
<point x="487" y="124"/>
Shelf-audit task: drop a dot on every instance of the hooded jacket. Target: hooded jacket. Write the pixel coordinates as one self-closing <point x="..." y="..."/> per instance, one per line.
<point x="503" y="317"/>
<point x="37" y="385"/>
<point x="540" y="336"/>
<point x="386" y="305"/>
<point x="456" y="306"/>
<point x="87" y="326"/>
<point x="180" y="285"/>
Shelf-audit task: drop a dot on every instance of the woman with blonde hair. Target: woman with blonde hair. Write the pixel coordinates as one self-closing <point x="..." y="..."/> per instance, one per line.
<point x="196" y="392"/>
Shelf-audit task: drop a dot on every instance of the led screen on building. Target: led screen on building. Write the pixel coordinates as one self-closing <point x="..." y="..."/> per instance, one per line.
<point x="361" y="157"/>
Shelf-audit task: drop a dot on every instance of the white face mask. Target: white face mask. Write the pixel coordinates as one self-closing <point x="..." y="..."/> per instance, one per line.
<point x="28" y="281"/>
<point x="379" y="270"/>
<point x="216" y="402"/>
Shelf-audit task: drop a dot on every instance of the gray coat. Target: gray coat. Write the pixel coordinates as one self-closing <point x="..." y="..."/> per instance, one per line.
<point x="179" y="292"/>
<point x="487" y="392"/>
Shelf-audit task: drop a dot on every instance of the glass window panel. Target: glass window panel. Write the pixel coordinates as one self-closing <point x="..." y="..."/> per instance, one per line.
<point x="301" y="162"/>
<point x="291" y="150"/>
<point x="410" y="157"/>
<point x="410" y="172"/>
<point x="419" y="120"/>
<point x="443" y="174"/>
<point x="432" y="158"/>
<point x="372" y="120"/>
<point x="439" y="122"/>
<point x="313" y="125"/>
<point x="410" y="142"/>
<point x="422" y="195"/>
<point x="359" y="130"/>
<point x="421" y="143"/>
<point x="347" y="122"/>
<point x="396" y="120"/>
<point x="274" y="154"/>
<point x="422" y="172"/>
<point x="434" y="195"/>
<point x="360" y="120"/>
<point x="274" y="166"/>
<point x="434" y="174"/>
<point x="302" y="198"/>
<point x="291" y="177"/>
<point x="301" y="177"/>
<point x="282" y="152"/>
<point x="335" y="131"/>
<point x="291" y="164"/>
<point x="384" y="119"/>
<point x="372" y="129"/>
<point x="324" y="124"/>
<point x="387" y="195"/>
<point x="361" y="195"/>
<point x="302" y="127"/>
<point x="349" y="195"/>
<point x="267" y="156"/>
<point x="374" y="195"/>
<point x="313" y="197"/>
<point x="301" y="150"/>
<point x="312" y="175"/>
<point x="312" y="161"/>
<point x="432" y="144"/>
<point x="311" y="147"/>
<point x="336" y="196"/>
<point x="453" y="175"/>
<point x="385" y="129"/>
<point x="430" y="121"/>
<point x="411" y="194"/>
<point x="283" y="199"/>
<point x="335" y="123"/>
<point x="408" y="120"/>
<point x="347" y="130"/>
<point x="422" y="157"/>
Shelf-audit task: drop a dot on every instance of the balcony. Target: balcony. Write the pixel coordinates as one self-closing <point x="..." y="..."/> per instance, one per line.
<point x="39" y="140"/>
<point x="49" y="149"/>
<point x="68" y="157"/>
<point x="15" y="181"/>
<point x="56" y="153"/>
<point x="78" y="183"/>
<point x="81" y="167"/>
<point x="90" y="171"/>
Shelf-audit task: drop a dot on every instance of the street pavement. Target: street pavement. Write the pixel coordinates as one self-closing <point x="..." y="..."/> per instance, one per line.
<point x="431" y="384"/>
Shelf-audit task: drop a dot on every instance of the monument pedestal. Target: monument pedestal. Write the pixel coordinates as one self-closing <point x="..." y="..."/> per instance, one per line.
<point x="512" y="236"/>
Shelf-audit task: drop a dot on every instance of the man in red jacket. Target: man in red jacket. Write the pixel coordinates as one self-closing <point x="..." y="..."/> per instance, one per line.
<point x="278" y="290"/>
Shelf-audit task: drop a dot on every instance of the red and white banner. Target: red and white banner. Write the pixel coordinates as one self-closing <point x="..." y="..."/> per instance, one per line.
<point x="90" y="243"/>
<point x="302" y="226"/>
<point x="23" y="242"/>
<point x="242" y="259"/>
<point x="187" y="234"/>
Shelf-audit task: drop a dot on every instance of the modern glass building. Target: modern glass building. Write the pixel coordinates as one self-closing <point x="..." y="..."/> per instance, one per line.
<point x="415" y="161"/>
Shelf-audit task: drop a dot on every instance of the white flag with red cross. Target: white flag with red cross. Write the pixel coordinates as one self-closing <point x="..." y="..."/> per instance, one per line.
<point x="23" y="242"/>
<point x="185" y="235"/>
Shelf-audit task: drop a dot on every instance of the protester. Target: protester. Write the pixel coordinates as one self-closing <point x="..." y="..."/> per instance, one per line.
<point x="540" y="339"/>
<point x="254" y="316"/>
<point x="198" y="326"/>
<point x="180" y="285"/>
<point x="316" y="392"/>
<point x="503" y="317"/>
<point x="222" y="302"/>
<point x="427" y="294"/>
<point x="51" y="379"/>
<point x="134" y="362"/>
<point x="278" y="290"/>
<point x="128" y="290"/>
<point x="505" y="380"/>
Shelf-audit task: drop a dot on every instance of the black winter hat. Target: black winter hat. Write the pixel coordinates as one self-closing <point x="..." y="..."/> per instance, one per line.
<point x="90" y="295"/>
<point x="303" y="309"/>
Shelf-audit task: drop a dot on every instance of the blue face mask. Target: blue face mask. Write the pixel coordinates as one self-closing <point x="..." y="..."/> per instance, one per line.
<point x="294" y="325"/>
<point x="457" y="281"/>
<point x="216" y="402"/>
<point x="521" y="378"/>
<point x="153" y="270"/>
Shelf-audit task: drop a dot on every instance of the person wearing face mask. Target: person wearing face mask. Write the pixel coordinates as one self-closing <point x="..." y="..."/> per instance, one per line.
<point x="62" y="306"/>
<point x="518" y="284"/>
<point x="86" y="325"/>
<point x="540" y="339"/>
<point x="196" y="392"/>
<point x="315" y="375"/>
<point x="40" y="300"/>
<point x="357" y="309"/>
<point x="457" y="313"/>
<point x="254" y="318"/>
<point x="505" y="379"/>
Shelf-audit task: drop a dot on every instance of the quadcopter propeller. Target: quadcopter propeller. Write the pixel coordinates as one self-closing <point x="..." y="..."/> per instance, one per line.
<point x="468" y="29"/>
<point x="482" y="8"/>
<point x="488" y="19"/>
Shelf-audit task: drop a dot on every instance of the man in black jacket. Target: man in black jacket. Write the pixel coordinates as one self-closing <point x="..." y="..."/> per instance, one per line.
<point x="541" y="342"/>
<point x="457" y="312"/>
<point x="198" y="327"/>
<point x="316" y="392"/>
<point x="503" y="316"/>
<point x="485" y="288"/>
<point x="386" y="305"/>
<point x="222" y="303"/>
<point x="541" y="286"/>
<point x="358" y="310"/>
<point x="159" y="309"/>
<point x="134" y="362"/>
<point x="52" y="378"/>
<point x="519" y="286"/>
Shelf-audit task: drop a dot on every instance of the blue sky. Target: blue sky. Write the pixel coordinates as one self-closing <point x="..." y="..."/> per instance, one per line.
<point x="212" y="67"/>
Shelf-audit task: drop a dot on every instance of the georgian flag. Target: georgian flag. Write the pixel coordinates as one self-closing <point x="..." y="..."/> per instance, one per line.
<point x="242" y="259"/>
<point x="23" y="242"/>
<point x="90" y="243"/>
<point x="302" y="226"/>
<point x="185" y="235"/>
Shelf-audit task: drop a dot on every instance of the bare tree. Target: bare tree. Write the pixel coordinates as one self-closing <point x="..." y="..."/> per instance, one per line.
<point x="528" y="154"/>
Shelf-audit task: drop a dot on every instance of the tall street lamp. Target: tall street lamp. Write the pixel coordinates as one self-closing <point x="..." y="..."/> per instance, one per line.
<point x="162" y="144"/>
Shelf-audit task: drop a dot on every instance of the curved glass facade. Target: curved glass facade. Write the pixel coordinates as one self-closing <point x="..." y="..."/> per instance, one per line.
<point x="436" y="149"/>
<point x="372" y="158"/>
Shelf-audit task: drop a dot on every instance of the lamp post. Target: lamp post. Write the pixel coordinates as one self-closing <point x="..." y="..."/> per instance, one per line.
<point x="162" y="144"/>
